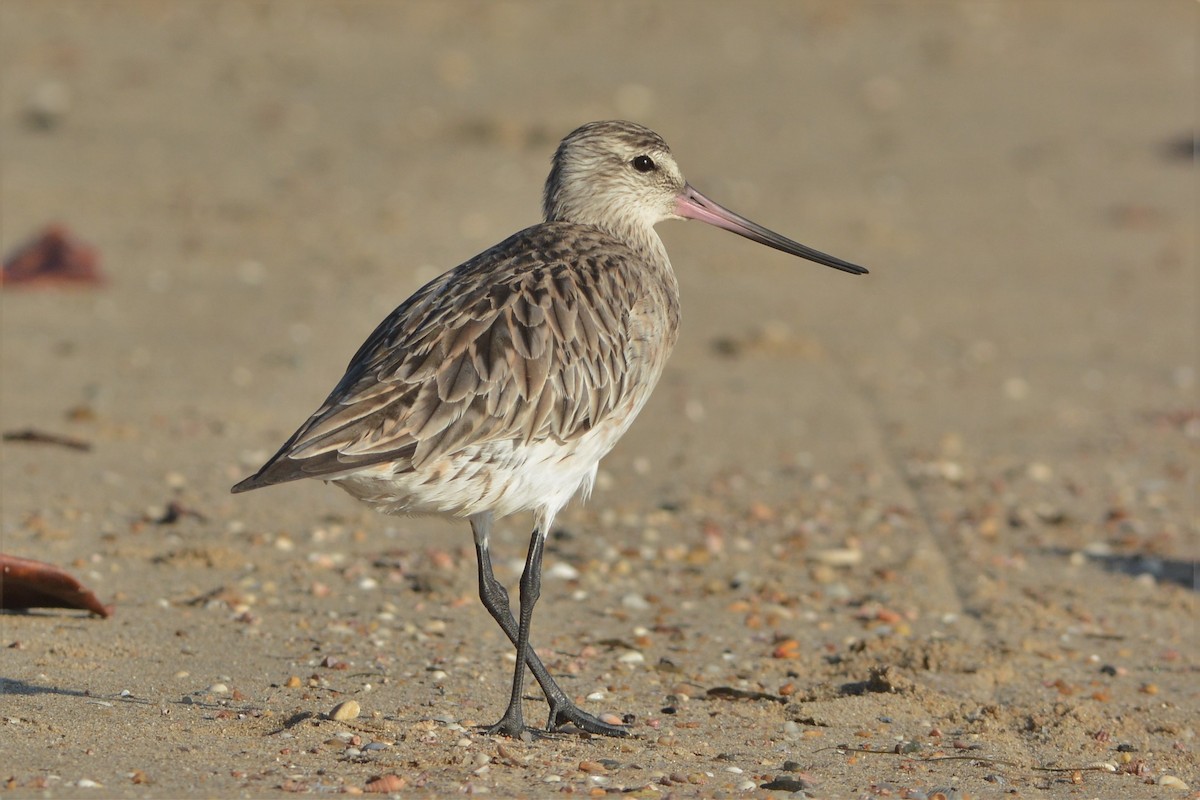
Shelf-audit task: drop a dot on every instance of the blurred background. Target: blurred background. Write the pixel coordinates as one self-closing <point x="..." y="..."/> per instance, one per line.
<point x="278" y="176"/>
<point x="1008" y="400"/>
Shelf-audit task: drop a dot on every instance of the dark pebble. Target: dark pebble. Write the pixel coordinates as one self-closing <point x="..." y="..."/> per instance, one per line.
<point x="787" y="785"/>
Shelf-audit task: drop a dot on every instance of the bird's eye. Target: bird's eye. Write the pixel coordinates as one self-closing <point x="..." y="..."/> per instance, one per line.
<point x="644" y="164"/>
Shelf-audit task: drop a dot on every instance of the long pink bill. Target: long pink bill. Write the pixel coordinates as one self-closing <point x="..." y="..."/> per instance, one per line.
<point x="692" y="205"/>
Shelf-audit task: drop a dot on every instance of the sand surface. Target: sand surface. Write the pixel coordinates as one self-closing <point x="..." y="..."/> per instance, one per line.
<point x="939" y="522"/>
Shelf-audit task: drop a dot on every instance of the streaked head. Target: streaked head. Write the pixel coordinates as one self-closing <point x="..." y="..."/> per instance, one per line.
<point x="621" y="177"/>
<point x="613" y="172"/>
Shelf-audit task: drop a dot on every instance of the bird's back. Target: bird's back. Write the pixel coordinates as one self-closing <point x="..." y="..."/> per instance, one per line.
<point x="545" y="345"/>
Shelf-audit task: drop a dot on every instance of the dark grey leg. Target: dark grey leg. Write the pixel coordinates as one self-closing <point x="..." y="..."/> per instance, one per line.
<point x="495" y="599"/>
<point x="513" y="722"/>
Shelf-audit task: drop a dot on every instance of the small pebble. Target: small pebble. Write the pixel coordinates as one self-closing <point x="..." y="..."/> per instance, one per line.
<point x="787" y="785"/>
<point x="789" y="648"/>
<point x="386" y="784"/>
<point x="839" y="556"/>
<point x="562" y="571"/>
<point x="47" y="104"/>
<point x="346" y="710"/>
<point x="218" y="688"/>
<point x="635" y="602"/>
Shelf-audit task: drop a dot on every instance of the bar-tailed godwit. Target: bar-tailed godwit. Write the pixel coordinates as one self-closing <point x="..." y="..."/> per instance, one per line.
<point x="500" y="385"/>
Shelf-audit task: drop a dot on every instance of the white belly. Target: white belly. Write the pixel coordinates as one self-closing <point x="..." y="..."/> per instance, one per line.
<point x="502" y="477"/>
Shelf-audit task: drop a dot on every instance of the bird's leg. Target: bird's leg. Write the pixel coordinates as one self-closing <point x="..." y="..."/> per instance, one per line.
<point x="495" y="599"/>
<point x="513" y="722"/>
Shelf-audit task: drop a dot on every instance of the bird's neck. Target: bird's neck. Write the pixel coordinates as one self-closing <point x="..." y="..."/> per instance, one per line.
<point x="634" y="233"/>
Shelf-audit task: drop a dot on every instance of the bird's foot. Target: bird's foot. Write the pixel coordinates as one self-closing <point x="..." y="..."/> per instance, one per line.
<point x="567" y="712"/>
<point x="512" y="726"/>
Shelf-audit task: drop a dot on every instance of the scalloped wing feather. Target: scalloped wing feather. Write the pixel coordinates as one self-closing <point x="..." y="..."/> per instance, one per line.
<point x="519" y="343"/>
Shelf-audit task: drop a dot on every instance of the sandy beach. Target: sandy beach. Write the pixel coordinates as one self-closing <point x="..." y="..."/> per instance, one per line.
<point x="934" y="529"/>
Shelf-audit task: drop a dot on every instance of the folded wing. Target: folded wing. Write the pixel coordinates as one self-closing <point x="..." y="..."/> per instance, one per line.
<point x="523" y="342"/>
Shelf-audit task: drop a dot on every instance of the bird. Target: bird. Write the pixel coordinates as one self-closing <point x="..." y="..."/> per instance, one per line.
<point x="499" y="385"/>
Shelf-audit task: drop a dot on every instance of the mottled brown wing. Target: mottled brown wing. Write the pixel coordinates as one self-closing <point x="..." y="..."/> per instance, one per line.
<point x="529" y="340"/>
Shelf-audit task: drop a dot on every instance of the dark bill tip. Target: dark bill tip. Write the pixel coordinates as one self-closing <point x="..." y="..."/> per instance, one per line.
<point x="692" y="205"/>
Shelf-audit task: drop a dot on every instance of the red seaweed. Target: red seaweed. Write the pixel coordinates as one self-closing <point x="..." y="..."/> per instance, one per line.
<point x="25" y="583"/>
<point x="53" y="257"/>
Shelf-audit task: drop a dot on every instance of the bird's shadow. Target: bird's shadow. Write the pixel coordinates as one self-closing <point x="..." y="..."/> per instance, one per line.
<point x="11" y="686"/>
